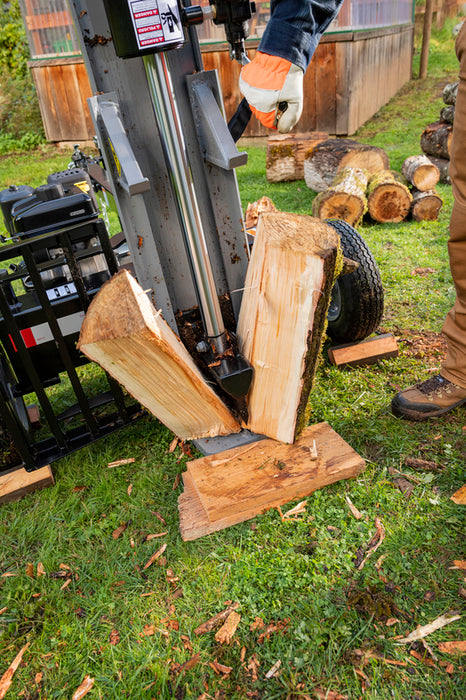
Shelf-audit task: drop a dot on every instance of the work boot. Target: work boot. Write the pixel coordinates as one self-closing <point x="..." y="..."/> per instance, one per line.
<point x="428" y="399"/>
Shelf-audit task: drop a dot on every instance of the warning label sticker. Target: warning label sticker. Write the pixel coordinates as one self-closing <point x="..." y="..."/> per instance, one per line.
<point x="156" y="22"/>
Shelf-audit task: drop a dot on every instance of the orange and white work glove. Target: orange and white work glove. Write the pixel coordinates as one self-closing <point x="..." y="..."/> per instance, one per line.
<point x="273" y="87"/>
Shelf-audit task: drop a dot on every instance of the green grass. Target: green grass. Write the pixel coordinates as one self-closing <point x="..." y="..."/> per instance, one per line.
<point x="299" y="574"/>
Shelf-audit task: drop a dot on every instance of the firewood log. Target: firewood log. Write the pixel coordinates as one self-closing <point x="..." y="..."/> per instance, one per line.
<point x="450" y="92"/>
<point x="283" y="316"/>
<point x="436" y="140"/>
<point x="443" y="165"/>
<point x="420" y="172"/>
<point x="328" y="157"/>
<point x="255" y="209"/>
<point x="126" y="336"/>
<point x="447" y="114"/>
<point x="285" y="154"/>
<point x="345" y="198"/>
<point x="426" y="205"/>
<point x="388" y="200"/>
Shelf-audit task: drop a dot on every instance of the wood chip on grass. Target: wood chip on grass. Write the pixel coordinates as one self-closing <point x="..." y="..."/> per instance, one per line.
<point x="226" y="632"/>
<point x="215" y="620"/>
<point x="84" y="688"/>
<point x="155" y="556"/>
<point x="7" y="678"/>
<point x="121" y="462"/>
<point x="458" y="647"/>
<point x="372" y="546"/>
<point x="425" y="630"/>
<point x="354" y="511"/>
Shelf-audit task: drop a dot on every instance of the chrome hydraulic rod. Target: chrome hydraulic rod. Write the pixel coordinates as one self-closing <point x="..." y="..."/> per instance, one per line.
<point x="163" y="98"/>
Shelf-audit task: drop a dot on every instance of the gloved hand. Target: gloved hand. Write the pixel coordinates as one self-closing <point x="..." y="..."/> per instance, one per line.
<point x="273" y="87"/>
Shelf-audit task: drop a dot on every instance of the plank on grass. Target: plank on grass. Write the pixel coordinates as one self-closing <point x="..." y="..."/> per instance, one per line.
<point x="282" y="318"/>
<point x="366" y="352"/>
<point x="18" y="482"/>
<point x="244" y="482"/>
<point x="124" y="334"/>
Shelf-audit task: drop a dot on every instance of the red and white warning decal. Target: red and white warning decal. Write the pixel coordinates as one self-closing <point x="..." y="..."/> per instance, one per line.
<point x="42" y="333"/>
<point x="156" y="22"/>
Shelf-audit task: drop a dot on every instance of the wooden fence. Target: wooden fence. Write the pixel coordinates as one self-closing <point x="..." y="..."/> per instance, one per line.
<point x="351" y="75"/>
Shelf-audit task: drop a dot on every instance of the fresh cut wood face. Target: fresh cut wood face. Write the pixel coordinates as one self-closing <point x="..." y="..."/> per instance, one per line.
<point x="225" y="489"/>
<point x="126" y="336"/>
<point x="281" y="319"/>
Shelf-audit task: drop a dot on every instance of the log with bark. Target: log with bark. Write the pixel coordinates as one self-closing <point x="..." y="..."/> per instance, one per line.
<point x="255" y="209"/>
<point x="420" y="172"/>
<point x="286" y="152"/>
<point x="388" y="199"/>
<point x="450" y="92"/>
<point x="426" y="205"/>
<point x="345" y="198"/>
<point x="283" y="316"/>
<point x="443" y="165"/>
<point x="436" y="140"/>
<point x="447" y="114"/>
<point x="328" y="157"/>
<point x="126" y="336"/>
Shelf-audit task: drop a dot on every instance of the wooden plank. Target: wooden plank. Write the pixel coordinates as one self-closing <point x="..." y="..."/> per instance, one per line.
<point x="17" y="483"/>
<point x="343" y="71"/>
<point x="308" y="120"/>
<point x="63" y="89"/>
<point x="326" y="88"/>
<point x="366" y="352"/>
<point x="269" y="473"/>
<point x="194" y="521"/>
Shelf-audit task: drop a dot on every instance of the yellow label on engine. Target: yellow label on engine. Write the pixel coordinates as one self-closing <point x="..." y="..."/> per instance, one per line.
<point x="83" y="186"/>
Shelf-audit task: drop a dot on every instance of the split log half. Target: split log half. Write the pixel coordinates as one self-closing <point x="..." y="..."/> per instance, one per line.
<point x="450" y="92"/>
<point x="447" y="114"/>
<point x="388" y="199"/>
<point x="426" y="205"/>
<point x="436" y="140"/>
<point x="345" y="198"/>
<point x="443" y="165"/>
<point x="126" y="336"/>
<point x="328" y="157"/>
<point x="283" y="316"/>
<point x="421" y="172"/>
<point x="285" y="154"/>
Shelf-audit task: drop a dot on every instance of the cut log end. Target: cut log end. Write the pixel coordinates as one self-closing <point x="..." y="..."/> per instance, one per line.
<point x="426" y="206"/>
<point x="388" y="200"/>
<point x="421" y="172"/>
<point x="341" y="205"/>
<point x="389" y="205"/>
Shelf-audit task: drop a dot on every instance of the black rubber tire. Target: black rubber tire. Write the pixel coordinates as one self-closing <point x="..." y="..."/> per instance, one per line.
<point x="356" y="306"/>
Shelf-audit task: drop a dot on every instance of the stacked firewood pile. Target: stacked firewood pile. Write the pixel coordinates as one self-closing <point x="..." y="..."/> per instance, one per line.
<point x="354" y="179"/>
<point x="436" y="137"/>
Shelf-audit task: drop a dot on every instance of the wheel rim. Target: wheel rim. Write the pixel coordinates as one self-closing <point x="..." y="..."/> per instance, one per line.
<point x="334" y="308"/>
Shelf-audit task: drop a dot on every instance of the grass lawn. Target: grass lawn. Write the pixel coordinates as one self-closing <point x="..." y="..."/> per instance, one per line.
<point x="72" y="582"/>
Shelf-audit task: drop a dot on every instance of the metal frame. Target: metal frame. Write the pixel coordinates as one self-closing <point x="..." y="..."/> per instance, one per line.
<point x="151" y="220"/>
<point x="54" y="441"/>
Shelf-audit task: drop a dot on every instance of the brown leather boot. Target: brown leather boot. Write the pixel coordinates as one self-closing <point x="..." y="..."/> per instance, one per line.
<point x="428" y="399"/>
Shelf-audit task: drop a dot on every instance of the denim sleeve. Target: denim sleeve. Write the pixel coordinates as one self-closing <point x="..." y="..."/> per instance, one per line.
<point x="295" y="28"/>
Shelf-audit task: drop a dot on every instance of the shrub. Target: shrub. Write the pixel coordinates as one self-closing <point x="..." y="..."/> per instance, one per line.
<point x="20" y="119"/>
